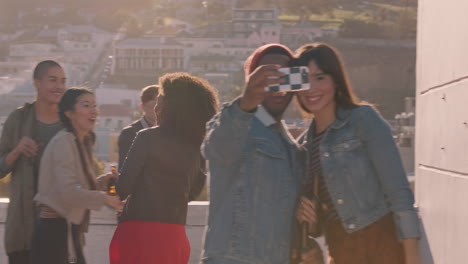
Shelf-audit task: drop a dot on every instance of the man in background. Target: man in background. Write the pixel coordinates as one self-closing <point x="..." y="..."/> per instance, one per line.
<point x="148" y="101"/>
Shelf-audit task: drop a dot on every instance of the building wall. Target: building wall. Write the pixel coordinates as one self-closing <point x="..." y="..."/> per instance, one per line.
<point x="32" y="50"/>
<point x="246" y="20"/>
<point x="442" y="129"/>
<point x="118" y="95"/>
<point x="145" y="60"/>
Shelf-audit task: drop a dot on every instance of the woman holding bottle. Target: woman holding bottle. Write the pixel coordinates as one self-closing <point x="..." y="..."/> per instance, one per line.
<point x="68" y="188"/>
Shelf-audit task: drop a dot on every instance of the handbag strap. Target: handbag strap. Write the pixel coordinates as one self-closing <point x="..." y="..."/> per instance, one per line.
<point x="316" y="183"/>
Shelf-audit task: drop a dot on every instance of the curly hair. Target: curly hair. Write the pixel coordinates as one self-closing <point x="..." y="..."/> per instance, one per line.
<point x="186" y="104"/>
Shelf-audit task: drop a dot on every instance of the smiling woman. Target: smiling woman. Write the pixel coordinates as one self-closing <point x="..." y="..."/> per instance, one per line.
<point x="67" y="187"/>
<point x="363" y="194"/>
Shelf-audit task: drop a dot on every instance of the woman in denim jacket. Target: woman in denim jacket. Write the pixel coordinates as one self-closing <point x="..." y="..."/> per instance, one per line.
<point x="365" y="204"/>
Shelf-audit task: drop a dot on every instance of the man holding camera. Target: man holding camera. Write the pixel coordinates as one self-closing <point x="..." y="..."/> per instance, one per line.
<point x="256" y="170"/>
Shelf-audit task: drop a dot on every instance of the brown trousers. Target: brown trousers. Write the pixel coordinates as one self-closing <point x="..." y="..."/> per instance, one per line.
<point x="374" y="244"/>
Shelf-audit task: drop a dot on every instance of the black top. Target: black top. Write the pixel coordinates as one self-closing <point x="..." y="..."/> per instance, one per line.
<point x="126" y="138"/>
<point x="160" y="176"/>
<point x="45" y="132"/>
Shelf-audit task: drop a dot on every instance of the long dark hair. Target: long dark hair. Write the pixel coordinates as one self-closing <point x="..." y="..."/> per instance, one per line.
<point x="67" y="103"/>
<point x="187" y="103"/>
<point x="329" y="61"/>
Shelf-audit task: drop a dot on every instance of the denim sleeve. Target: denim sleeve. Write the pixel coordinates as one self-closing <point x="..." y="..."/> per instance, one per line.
<point x="385" y="157"/>
<point x="226" y="134"/>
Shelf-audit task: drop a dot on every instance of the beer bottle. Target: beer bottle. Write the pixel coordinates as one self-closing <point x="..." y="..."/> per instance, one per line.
<point x="111" y="191"/>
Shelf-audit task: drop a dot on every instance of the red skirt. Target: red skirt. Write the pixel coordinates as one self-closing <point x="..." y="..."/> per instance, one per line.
<point x="144" y="242"/>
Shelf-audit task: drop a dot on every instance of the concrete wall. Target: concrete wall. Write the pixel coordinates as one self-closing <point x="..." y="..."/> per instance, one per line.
<point x="442" y="129"/>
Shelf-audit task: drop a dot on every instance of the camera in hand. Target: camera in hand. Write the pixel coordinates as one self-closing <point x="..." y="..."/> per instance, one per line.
<point x="295" y="79"/>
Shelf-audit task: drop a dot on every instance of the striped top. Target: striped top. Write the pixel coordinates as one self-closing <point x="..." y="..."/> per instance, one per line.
<point x="47" y="212"/>
<point x="328" y="211"/>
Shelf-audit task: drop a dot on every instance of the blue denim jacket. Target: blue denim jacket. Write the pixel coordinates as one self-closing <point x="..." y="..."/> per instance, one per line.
<point x="362" y="168"/>
<point x="253" y="188"/>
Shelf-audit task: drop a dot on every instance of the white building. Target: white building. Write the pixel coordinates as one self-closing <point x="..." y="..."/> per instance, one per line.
<point x="13" y="68"/>
<point x="148" y="56"/>
<point x="82" y="38"/>
<point x="82" y="46"/>
<point x="34" y="51"/>
<point x="117" y="94"/>
<point x="266" y="34"/>
<point x="247" y="20"/>
<point x="296" y="35"/>
<point x="6" y="37"/>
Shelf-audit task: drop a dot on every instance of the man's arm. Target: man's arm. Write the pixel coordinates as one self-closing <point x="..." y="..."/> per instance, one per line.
<point x="227" y="132"/>
<point x="9" y="153"/>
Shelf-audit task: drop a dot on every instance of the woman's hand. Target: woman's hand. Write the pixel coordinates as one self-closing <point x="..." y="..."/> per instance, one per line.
<point x="307" y="212"/>
<point x="109" y="177"/>
<point x="105" y="180"/>
<point x="114" y="202"/>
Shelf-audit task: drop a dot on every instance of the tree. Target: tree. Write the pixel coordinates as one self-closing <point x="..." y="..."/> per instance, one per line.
<point x="112" y="22"/>
<point x="215" y="11"/>
<point x="360" y="29"/>
<point x="133" y="29"/>
<point x="304" y="8"/>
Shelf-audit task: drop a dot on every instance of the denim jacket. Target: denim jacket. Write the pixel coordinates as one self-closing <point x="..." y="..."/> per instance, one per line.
<point x="253" y="188"/>
<point x="362" y="168"/>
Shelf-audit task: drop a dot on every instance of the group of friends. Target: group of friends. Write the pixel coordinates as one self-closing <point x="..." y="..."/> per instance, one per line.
<point x="260" y="177"/>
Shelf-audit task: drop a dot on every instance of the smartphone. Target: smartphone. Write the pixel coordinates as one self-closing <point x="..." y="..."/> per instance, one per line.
<point x="295" y="79"/>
